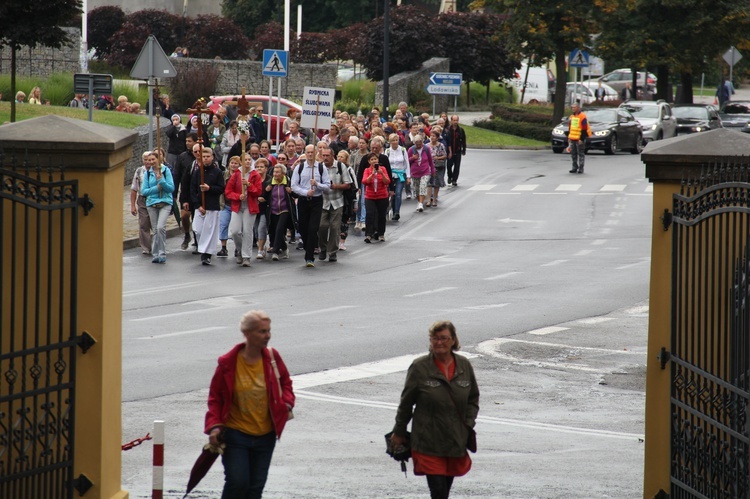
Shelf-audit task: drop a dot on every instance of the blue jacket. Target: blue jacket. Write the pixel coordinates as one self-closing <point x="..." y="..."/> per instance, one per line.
<point x="150" y="187"/>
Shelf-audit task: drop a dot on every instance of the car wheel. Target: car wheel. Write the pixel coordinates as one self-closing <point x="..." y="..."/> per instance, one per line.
<point x="612" y="145"/>
<point x="638" y="145"/>
<point x="660" y="135"/>
<point x="557" y="150"/>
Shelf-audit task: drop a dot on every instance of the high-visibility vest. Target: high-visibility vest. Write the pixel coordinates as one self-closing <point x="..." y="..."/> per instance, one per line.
<point x="576" y="124"/>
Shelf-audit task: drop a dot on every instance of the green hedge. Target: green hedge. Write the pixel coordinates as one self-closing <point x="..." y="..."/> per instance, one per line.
<point x="58" y="88"/>
<point x="535" y="131"/>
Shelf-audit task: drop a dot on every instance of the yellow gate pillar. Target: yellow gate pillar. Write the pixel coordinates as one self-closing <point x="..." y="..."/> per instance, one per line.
<point x="668" y="162"/>
<point x="95" y="155"/>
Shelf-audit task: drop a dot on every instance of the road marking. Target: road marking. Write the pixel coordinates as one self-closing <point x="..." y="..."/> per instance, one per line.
<point x="595" y="320"/>
<point x="449" y="261"/>
<point x="584" y="252"/>
<point x="482" y="187"/>
<point x="159" y="289"/>
<point x="183" y="333"/>
<point x="605" y="231"/>
<point x="643" y="260"/>
<point x="360" y="371"/>
<point x="613" y="188"/>
<point x="615" y="214"/>
<point x="514" y="220"/>
<point x="612" y="222"/>
<point x="323" y="310"/>
<point x="429" y="292"/>
<point x="568" y="187"/>
<point x="641" y="309"/>
<point x="504" y="193"/>
<point x="487" y="307"/>
<point x="550" y="193"/>
<point x="501" y="276"/>
<point x="649" y="188"/>
<point x="553" y="263"/>
<point x="525" y="187"/>
<point x="598" y="242"/>
<point x="548" y="330"/>
<point x="595" y="194"/>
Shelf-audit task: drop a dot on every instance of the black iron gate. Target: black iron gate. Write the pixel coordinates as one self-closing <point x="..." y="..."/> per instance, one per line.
<point x="710" y="360"/>
<point x="39" y="212"/>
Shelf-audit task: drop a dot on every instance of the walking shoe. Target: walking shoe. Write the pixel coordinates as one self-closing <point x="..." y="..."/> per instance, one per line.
<point x="185" y="242"/>
<point x="300" y="245"/>
<point x="390" y="214"/>
<point x="580" y="170"/>
<point x="408" y="195"/>
<point x="196" y="252"/>
<point x="275" y="257"/>
<point x="333" y="258"/>
<point x="396" y="217"/>
<point x="342" y="246"/>
<point x="381" y="239"/>
<point x="310" y="264"/>
<point x="223" y="252"/>
<point x="155" y="259"/>
<point x="574" y="170"/>
<point x="206" y="259"/>
<point x="261" y="255"/>
<point x="455" y="184"/>
<point x="420" y="208"/>
<point x="238" y="259"/>
<point x="285" y="254"/>
<point x="245" y="262"/>
<point x="368" y="240"/>
<point x="322" y="254"/>
<point x="162" y="259"/>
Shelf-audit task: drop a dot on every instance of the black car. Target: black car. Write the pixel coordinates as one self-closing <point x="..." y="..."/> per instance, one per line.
<point x="736" y="114"/>
<point x="694" y="118"/>
<point x="612" y="130"/>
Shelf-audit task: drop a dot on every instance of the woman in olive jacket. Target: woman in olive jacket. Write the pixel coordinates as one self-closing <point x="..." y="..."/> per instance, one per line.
<point x="442" y="397"/>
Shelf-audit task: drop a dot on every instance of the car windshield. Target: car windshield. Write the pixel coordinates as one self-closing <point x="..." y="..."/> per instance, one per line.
<point x="644" y="112"/>
<point x="601" y="115"/>
<point x="690" y="113"/>
<point x="737" y="108"/>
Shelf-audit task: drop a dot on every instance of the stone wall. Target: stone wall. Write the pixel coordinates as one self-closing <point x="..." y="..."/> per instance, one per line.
<point x="141" y="145"/>
<point x="398" y="85"/>
<point x="44" y="61"/>
<point x="234" y="75"/>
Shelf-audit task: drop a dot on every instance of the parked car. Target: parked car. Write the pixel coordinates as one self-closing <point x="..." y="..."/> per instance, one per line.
<point x="694" y="118"/>
<point x="655" y="117"/>
<point x="618" y="78"/>
<point x="612" y="130"/>
<point x="736" y="114"/>
<point x="585" y="92"/>
<point x="256" y="100"/>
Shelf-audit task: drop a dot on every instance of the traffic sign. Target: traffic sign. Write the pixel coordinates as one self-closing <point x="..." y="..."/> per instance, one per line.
<point x="152" y="62"/>
<point x="578" y="59"/>
<point x="732" y="56"/>
<point x="101" y="84"/>
<point x="275" y="62"/>
<point x="445" y="84"/>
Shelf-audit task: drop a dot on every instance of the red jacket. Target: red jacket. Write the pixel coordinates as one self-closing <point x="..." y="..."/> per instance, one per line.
<point x="383" y="181"/>
<point x="222" y="387"/>
<point x="233" y="190"/>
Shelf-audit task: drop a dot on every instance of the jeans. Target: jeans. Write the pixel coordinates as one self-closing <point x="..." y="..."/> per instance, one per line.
<point x="577" y="154"/>
<point x="310" y="210"/>
<point x="159" y="217"/>
<point x="362" y="211"/>
<point x="397" y="197"/>
<point x="246" y="461"/>
<point x="454" y="167"/>
<point x="224" y="217"/>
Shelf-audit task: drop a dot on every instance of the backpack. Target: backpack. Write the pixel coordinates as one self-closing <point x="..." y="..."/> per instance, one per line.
<point x="351" y="193"/>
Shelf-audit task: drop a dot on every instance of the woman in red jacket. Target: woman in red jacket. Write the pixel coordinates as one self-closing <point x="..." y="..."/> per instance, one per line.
<point x="243" y="189"/>
<point x="376" y="180"/>
<point x="249" y="402"/>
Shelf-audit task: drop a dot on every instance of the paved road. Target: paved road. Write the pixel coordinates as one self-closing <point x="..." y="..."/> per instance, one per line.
<point x="545" y="274"/>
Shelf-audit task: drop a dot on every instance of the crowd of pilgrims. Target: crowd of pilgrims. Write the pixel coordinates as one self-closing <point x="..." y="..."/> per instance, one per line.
<point x="306" y="195"/>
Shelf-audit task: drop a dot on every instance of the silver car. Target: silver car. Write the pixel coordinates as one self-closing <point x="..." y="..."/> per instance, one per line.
<point x="655" y="116"/>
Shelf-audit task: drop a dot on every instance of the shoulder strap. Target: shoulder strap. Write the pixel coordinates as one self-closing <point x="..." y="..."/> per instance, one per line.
<point x="276" y="370"/>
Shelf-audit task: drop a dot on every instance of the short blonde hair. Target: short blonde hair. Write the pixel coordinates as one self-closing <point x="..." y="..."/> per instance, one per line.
<point x="251" y="320"/>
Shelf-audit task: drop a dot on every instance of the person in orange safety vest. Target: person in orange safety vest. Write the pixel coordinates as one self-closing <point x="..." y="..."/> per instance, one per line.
<point x="577" y="132"/>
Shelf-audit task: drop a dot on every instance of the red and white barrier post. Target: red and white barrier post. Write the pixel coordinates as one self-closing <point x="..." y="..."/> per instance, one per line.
<point x="158" y="483"/>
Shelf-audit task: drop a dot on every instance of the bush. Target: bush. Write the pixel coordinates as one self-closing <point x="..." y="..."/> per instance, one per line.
<point x="103" y="22"/>
<point x="361" y="91"/>
<point x="127" y="43"/>
<point x="498" y="94"/>
<point x="523" y="113"/>
<point x="521" y="129"/>
<point x="191" y="84"/>
<point x="210" y="36"/>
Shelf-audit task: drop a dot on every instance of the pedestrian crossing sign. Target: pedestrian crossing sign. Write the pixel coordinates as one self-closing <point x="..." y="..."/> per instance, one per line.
<point x="578" y="59"/>
<point x="275" y="62"/>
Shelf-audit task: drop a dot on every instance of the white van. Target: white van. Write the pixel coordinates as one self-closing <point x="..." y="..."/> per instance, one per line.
<point x="539" y="83"/>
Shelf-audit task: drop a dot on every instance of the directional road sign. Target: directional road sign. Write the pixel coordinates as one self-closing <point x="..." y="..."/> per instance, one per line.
<point x="445" y="84"/>
<point x="152" y="62"/>
<point x="275" y="62"/>
<point x="578" y="59"/>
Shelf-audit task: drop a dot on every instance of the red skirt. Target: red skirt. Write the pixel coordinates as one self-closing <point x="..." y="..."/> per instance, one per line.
<point x="439" y="465"/>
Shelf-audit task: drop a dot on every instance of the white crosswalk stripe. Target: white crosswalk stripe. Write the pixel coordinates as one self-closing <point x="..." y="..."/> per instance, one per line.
<point x="525" y="187"/>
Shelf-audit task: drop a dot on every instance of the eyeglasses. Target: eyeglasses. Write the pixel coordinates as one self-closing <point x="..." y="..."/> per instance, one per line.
<point x="440" y="339"/>
<point x="281" y="158"/>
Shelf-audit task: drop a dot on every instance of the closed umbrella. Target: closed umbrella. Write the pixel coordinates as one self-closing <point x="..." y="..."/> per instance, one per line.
<point x="202" y="465"/>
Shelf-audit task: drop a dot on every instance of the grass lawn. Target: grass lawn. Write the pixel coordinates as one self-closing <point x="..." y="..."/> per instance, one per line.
<point x="481" y="137"/>
<point x="28" y="111"/>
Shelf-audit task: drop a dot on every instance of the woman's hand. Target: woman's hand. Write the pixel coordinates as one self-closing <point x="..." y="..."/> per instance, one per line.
<point x="243" y="196"/>
<point x="397" y="440"/>
<point x="213" y="437"/>
<point x="268" y="188"/>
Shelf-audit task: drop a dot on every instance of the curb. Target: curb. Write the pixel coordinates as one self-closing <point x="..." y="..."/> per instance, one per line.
<point x="134" y="243"/>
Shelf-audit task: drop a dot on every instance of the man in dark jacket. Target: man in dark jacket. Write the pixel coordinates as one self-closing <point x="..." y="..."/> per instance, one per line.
<point x="206" y="196"/>
<point x="183" y="168"/>
<point x="456" y="149"/>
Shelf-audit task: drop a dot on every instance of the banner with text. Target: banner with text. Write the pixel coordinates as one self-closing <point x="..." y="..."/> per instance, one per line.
<point x="317" y="107"/>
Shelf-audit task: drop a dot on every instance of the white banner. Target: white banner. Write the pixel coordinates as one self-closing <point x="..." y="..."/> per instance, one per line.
<point x="317" y="108"/>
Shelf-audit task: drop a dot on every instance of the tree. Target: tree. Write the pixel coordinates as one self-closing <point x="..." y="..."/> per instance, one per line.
<point x="407" y="42"/>
<point x="16" y="29"/>
<point x="267" y="36"/>
<point x="129" y="40"/>
<point x="542" y="31"/>
<point x="249" y="14"/>
<point x="211" y="35"/>
<point x="312" y="48"/>
<point x="103" y="22"/>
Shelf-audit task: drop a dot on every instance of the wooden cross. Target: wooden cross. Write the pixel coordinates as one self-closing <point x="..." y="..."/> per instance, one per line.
<point x="199" y="110"/>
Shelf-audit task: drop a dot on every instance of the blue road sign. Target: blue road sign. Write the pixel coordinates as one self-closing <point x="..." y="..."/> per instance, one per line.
<point x="578" y="59"/>
<point x="275" y="62"/>
<point x="445" y="84"/>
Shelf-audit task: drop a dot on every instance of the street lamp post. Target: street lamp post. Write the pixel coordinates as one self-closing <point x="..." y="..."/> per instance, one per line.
<point x="386" y="54"/>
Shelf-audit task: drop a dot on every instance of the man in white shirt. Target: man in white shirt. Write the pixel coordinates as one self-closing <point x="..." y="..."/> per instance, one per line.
<point x="309" y="181"/>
